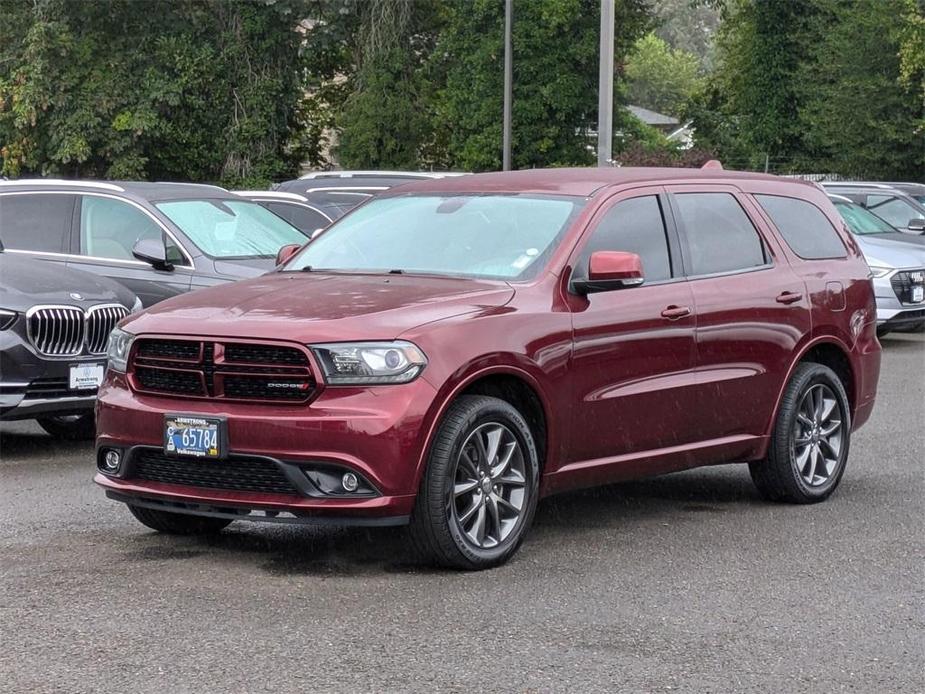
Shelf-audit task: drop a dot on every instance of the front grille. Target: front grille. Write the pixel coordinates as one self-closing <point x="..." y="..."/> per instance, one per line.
<point x="238" y="473"/>
<point x="56" y="331"/>
<point x="100" y="322"/>
<point x="226" y="370"/>
<point x="904" y="281"/>
<point x="50" y="388"/>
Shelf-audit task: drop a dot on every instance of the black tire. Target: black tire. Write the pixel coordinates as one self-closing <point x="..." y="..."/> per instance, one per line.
<point x="177" y="523"/>
<point x="435" y="527"/>
<point x="70" y="427"/>
<point x="883" y="332"/>
<point x="779" y="477"/>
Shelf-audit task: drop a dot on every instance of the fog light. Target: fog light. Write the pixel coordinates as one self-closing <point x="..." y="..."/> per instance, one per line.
<point x="111" y="460"/>
<point x="350" y="482"/>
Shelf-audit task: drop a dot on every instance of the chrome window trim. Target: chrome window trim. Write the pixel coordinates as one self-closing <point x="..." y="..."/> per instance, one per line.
<point x="128" y="201"/>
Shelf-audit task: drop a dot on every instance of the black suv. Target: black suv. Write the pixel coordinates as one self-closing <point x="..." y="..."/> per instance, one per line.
<point x="54" y="327"/>
<point x="157" y="239"/>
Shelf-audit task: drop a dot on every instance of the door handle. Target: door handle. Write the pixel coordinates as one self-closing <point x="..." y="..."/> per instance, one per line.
<point x="674" y="312"/>
<point x="788" y="297"/>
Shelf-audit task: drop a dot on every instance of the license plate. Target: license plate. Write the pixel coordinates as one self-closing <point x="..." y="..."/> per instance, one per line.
<point x="199" y="437"/>
<point x="918" y="294"/>
<point x="85" y="376"/>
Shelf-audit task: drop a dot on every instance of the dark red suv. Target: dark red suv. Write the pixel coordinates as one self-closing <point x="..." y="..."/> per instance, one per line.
<point x="453" y="350"/>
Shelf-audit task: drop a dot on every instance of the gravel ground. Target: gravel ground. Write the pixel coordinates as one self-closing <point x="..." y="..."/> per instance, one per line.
<point x="686" y="582"/>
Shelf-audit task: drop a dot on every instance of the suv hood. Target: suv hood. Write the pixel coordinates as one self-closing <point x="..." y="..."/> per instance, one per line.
<point x="315" y="307"/>
<point x="891" y="252"/>
<point x="25" y="283"/>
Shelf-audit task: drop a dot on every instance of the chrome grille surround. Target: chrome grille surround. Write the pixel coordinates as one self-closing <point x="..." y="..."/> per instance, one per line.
<point x="56" y="331"/>
<point x="101" y="319"/>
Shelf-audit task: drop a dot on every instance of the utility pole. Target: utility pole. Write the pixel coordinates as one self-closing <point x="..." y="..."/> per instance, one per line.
<point x="605" y="87"/>
<point x="508" y="78"/>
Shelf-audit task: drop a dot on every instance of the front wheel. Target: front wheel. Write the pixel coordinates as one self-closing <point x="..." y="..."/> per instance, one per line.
<point x="72" y="427"/>
<point x="809" y="445"/>
<point x="177" y="523"/>
<point x="480" y="488"/>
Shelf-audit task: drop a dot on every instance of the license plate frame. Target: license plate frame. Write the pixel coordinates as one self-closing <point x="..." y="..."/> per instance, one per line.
<point x="207" y="437"/>
<point x="85" y="376"/>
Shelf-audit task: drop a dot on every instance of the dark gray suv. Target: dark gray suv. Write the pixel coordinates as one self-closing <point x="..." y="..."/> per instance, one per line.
<point x="54" y="327"/>
<point x="157" y="239"/>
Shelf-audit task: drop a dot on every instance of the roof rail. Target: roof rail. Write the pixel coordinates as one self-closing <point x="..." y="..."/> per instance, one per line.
<point x="373" y="174"/>
<point x="62" y="182"/>
<point x="269" y="194"/>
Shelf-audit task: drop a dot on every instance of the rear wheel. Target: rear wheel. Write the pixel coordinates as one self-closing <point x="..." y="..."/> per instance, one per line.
<point x="177" y="523"/>
<point x="72" y="427"/>
<point x="479" y="492"/>
<point x="809" y="445"/>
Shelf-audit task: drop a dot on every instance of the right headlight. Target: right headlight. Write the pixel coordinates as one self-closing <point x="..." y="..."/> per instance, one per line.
<point x="120" y="342"/>
<point x="876" y="272"/>
<point x="7" y="318"/>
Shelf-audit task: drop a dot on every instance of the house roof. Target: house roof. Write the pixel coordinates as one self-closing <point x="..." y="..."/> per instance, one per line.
<point x="651" y="117"/>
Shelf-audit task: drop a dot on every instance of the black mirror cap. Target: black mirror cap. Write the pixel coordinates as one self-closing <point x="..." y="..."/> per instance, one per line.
<point x="152" y="251"/>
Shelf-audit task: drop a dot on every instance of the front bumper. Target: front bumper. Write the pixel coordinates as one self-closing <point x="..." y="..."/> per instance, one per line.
<point x="891" y="312"/>
<point x="378" y="433"/>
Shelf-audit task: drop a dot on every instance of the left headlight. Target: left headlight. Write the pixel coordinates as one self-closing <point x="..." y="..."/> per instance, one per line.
<point x="136" y="307"/>
<point x="7" y="318"/>
<point x="120" y="342"/>
<point x="369" y="363"/>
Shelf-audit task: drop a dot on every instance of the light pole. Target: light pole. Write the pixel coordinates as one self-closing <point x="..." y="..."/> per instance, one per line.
<point x="508" y="69"/>
<point x="605" y="87"/>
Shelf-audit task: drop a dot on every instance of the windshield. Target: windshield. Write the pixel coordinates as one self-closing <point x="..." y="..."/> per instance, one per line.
<point x="860" y="221"/>
<point x="491" y="236"/>
<point x="231" y="228"/>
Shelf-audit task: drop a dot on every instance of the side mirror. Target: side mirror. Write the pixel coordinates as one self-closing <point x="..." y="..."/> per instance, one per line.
<point x="316" y="232"/>
<point x="609" y="270"/>
<point x="286" y="252"/>
<point x="917" y="225"/>
<point x="152" y="251"/>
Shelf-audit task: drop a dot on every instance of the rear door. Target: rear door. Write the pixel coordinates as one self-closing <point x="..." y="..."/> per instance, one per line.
<point x="37" y="224"/>
<point x="633" y="356"/>
<point x="107" y="230"/>
<point x="752" y="310"/>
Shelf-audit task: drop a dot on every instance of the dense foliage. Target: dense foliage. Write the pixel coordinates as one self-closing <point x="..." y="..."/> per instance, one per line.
<point x="661" y="78"/>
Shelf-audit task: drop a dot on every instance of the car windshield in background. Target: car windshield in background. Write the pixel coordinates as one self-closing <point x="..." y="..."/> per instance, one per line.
<point x="860" y="221"/>
<point x="489" y="236"/>
<point x="231" y="228"/>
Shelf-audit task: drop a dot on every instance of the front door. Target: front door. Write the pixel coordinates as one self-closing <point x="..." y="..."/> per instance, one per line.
<point x="633" y="354"/>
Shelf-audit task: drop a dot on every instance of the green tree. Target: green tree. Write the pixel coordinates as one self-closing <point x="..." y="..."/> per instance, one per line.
<point x="659" y="77"/>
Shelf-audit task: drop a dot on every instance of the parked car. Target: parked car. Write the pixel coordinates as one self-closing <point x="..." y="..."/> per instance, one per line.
<point x="897" y="265"/>
<point x="916" y="191"/>
<point x="452" y="351"/>
<point x="294" y="208"/>
<point x="337" y="192"/>
<point x="890" y="204"/>
<point x="157" y="239"/>
<point x="54" y="327"/>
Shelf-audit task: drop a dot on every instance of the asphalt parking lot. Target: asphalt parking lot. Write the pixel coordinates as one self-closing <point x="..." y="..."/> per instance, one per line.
<point x="687" y="582"/>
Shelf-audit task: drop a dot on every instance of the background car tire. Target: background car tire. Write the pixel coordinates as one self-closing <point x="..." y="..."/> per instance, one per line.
<point x="781" y="477"/>
<point x="70" y="427"/>
<point x="436" y="529"/>
<point x="178" y="523"/>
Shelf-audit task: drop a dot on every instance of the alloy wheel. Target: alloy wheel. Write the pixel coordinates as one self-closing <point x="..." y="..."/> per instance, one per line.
<point x="489" y="493"/>
<point x="818" y="435"/>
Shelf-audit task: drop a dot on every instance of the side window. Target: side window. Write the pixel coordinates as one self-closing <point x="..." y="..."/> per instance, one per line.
<point x="719" y="234"/>
<point x="109" y="228"/>
<point x="636" y="226"/>
<point x="36" y="222"/>
<point x="807" y="231"/>
<point x="302" y="218"/>
<point x="894" y="210"/>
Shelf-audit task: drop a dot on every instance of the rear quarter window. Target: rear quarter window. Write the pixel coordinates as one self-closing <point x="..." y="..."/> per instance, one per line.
<point x="807" y="231"/>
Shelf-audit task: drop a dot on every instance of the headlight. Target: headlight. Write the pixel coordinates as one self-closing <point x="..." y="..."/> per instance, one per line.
<point x="877" y="272"/>
<point x="7" y="318"/>
<point x="369" y="363"/>
<point x="136" y="307"/>
<point x="120" y="342"/>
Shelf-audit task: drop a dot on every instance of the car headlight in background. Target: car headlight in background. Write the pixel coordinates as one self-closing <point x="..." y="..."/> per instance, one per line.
<point x="120" y="342"/>
<point x="369" y="363"/>
<point x="137" y="306"/>
<point x="7" y="318"/>
<point x="876" y="272"/>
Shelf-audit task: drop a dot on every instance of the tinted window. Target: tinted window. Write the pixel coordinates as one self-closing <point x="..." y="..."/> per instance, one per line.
<point x="895" y="210"/>
<point x="636" y="226"/>
<point x="805" y="229"/>
<point x="302" y="218"/>
<point x="36" y="222"/>
<point x="110" y="228"/>
<point x="719" y="234"/>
